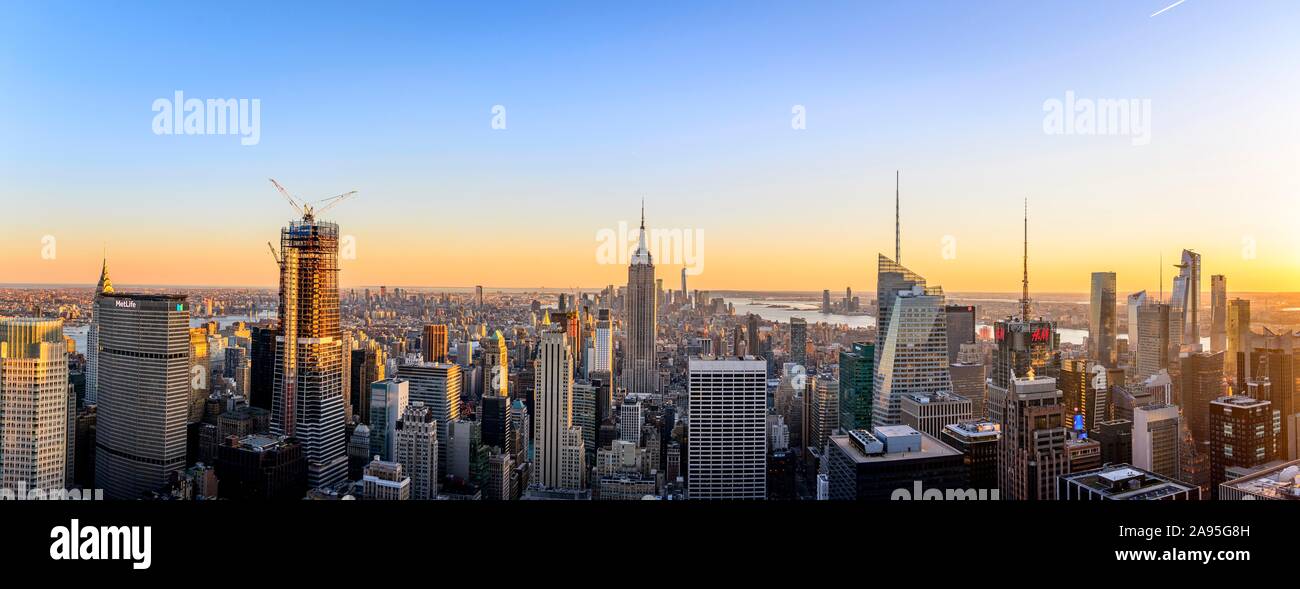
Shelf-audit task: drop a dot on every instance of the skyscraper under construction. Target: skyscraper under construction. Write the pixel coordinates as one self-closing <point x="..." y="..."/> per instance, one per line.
<point x="308" y="393"/>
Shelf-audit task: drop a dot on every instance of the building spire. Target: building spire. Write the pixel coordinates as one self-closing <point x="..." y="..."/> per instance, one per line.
<point x="898" y="254"/>
<point x="105" y="285"/>
<point x="642" y="253"/>
<point x="1024" y="295"/>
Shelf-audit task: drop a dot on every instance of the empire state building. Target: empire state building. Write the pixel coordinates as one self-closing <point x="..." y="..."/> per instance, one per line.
<point x="639" y="372"/>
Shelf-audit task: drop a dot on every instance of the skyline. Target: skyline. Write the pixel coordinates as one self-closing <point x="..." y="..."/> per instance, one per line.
<point x="689" y="108"/>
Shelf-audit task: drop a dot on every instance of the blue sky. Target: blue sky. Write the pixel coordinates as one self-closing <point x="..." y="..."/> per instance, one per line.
<point x="688" y="104"/>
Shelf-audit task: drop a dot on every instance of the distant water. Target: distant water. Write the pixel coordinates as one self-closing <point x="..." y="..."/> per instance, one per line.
<point x="78" y="333"/>
<point x="224" y="321"/>
<point x="809" y="312"/>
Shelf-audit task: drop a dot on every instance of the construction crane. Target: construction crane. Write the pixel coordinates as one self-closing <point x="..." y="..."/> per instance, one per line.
<point x="309" y="210"/>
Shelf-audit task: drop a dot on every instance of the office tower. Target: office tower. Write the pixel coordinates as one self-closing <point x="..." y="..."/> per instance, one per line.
<point x="34" y="407"/>
<point x="84" y="470"/>
<point x="1031" y="453"/>
<point x="261" y="467"/>
<point x="857" y="381"/>
<point x="435" y="343"/>
<point x="522" y="422"/>
<point x="826" y="301"/>
<point x="1116" y="439"/>
<point x="1201" y="375"/>
<point x="144" y="392"/>
<point x="824" y="414"/>
<point x="1122" y="482"/>
<point x="496" y="365"/>
<point x="1156" y="440"/>
<point x="969" y="382"/>
<point x="1274" y="380"/>
<point x="977" y="440"/>
<point x="388" y="400"/>
<point x="1101" y="319"/>
<point x="367" y="366"/>
<point x="629" y="421"/>
<point x="1244" y="434"/>
<point x="1272" y="483"/>
<point x="1240" y="339"/>
<point x="893" y="462"/>
<point x="1084" y="392"/>
<point x="752" y="345"/>
<point x="932" y="412"/>
<point x="572" y="459"/>
<point x="1158" y="343"/>
<point x="1128" y="398"/>
<point x="552" y="407"/>
<point x="1082" y="454"/>
<point x="497" y="416"/>
<point x="684" y="291"/>
<point x="307" y="400"/>
<point x="892" y="278"/>
<point x="1133" y="304"/>
<point x="105" y="286"/>
<point x="641" y="375"/>
<point x="799" y="341"/>
<point x="478" y="296"/>
<point x="585" y="407"/>
<point x="265" y="347"/>
<point x="726" y="419"/>
<point x="417" y="449"/>
<point x="200" y="372"/>
<point x="1024" y="347"/>
<point x="1218" y="313"/>
<point x="385" y="481"/>
<point x="359" y="451"/>
<point x="603" y="361"/>
<point x="438" y="386"/>
<point x="501" y="476"/>
<point x="960" y="322"/>
<point x="915" y="353"/>
<point x="571" y="324"/>
<point x="1186" y="302"/>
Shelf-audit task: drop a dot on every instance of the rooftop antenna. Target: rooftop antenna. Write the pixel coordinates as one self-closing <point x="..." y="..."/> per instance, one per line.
<point x="898" y="250"/>
<point x="1024" y="295"/>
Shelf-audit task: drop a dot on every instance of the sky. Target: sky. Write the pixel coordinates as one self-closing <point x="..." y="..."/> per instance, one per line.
<point x="689" y="106"/>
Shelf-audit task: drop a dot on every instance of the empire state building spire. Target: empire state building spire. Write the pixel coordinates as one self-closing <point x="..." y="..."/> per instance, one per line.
<point x="642" y="254"/>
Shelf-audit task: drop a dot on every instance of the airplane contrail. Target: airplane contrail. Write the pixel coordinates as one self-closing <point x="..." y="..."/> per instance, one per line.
<point x="1167" y="8"/>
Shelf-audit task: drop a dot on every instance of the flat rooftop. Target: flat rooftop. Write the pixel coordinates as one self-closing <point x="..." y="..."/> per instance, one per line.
<point x="1127" y="483"/>
<point x="930" y="448"/>
<point x="1278" y="482"/>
